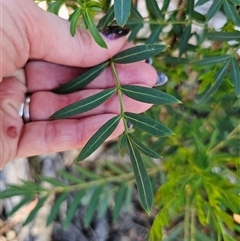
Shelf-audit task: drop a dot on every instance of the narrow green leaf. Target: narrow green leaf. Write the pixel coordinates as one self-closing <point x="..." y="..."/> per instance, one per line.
<point x="135" y="13"/>
<point x="10" y="192"/>
<point x="95" y="33"/>
<point x="103" y="205"/>
<point x="107" y="19"/>
<point x="184" y="40"/>
<point x="175" y="60"/>
<point x="147" y="124"/>
<point x="51" y="180"/>
<point x="99" y="137"/>
<point x="211" y="60"/>
<point x="87" y="173"/>
<point x="55" y="208"/>
<point x="82" y="80"/>
<point x="142" y="180"/>
<point x="236" y="76"/>
<point x="115" y="168"/>
<point x="231" y="13"/>
<point x="25" y="200"/>
<point x="134" y="32"/>
<point x="84" y="105"/>
<point x="92" y="205"/>
<point x="154" y="37"/>
<point x="165" y="5"/>
<point x="119" y="201"/>
<point x="70" y="177"/>
<point x="198" y="16"/>
<point x="73" y="207"/>
<point x="148" y="95"/>
<point x="142" y="148"/>
<point x="190" y="7"/>
<point x="122" y="10"/>
<point x="54" y="7"/>
<point x="220" y="36"/>
<point x="33" y="213"/>
<point x="237" y="2"/>
<point x="74" y="18"/>
<point x="138" y="53"/>
<point x="154" y="9"/>
<point x="123" y="141"/>
<point x="214" y="9"/>
<point x="201" y="2"/>
<point x="219" y="78"/>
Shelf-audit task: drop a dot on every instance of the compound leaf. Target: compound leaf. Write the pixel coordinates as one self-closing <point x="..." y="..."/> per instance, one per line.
<point x="138" y="53"/>
<point x="147" y="124"/>
<point x="99" y="137"/>
<point x="82" y="80"/>
<point x="148" y="95"/>
<point x="84" y="105"/>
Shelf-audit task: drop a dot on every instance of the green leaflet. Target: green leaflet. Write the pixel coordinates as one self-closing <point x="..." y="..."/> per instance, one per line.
<point x="122" y="10"/>
<point x="237" y="2"/>
<point x="184" y="40"/>
<point x="211" y="60"/>
<point x="99" y="137"/>
<point x="107" y="19"/>
<point x="89" y="174"/>
<point x="55" y="208"/>
<point x="74" y="17"/>
<point x="219" y="77"/>
<point x="174" y="60"/>
<point x="134" y="31"/>
<point x="92" y="205"/>
<point x="25" y="200"/>
<point x="119" y="201"/>
<point x="231" y="13"/>
<point x="154" y="37"/>
<point x="95" y="34"/>
<point x="54" y="7"/>
<point x="214" y="9"/>
<point x="154" y="9"/>
<point x="190" y="8"/>
<point x="148" y="95"/>
<point x="72" y="179"/>
<point x="236" y="76"/>
<point x="147" y="124"/>
<point x="201" y="2"/>
<point x="142" y="148"/>
<point x="14" y="190"/>
<point x="52" y="180"/>
<point x="82" y="80"/>
<point x="138" y="53"/>
<point x="33" y="213"/>
<point x="136" y="14"/>
<point x="142" y="180"/>
<point x="83" y="105"/>
<point x="219" y="36"/>
<point x="74" y="205"/>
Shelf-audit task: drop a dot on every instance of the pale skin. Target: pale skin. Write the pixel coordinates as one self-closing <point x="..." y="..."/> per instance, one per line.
<point x="38" y="54"/>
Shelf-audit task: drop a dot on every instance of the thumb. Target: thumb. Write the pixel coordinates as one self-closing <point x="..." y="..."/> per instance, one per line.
<point x="50" y="40"/>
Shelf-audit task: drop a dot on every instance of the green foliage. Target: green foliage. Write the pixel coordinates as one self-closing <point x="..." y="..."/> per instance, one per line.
<point x="199" y="171"/>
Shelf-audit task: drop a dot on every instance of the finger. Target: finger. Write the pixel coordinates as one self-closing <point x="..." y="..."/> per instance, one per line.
<point x="61" y="135"/>
<point x="44" y="104"/>
<point x="54" y="43"/>
<point x="47" y="76"/>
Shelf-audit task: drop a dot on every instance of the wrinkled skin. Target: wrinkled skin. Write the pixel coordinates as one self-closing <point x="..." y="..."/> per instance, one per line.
<point x="39" y="54"/>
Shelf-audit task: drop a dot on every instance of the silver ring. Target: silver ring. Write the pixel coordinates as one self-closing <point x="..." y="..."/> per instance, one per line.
<point x="24" y="110"/>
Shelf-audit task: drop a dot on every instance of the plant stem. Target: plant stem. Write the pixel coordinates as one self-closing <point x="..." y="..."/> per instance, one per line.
<point x="193" y="223"/>
<point x="187" y="215"/>
<point x="120" y="96"/>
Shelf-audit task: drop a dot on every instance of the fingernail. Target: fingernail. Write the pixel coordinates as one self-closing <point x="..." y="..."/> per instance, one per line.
<point x="129" y="125"/>
<point x="114" y="32"/>
<point x="149" y="61"/>
<point x="161" y="80"/>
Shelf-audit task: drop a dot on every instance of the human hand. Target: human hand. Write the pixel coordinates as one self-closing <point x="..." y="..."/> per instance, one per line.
<point x="38" y="54"/>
